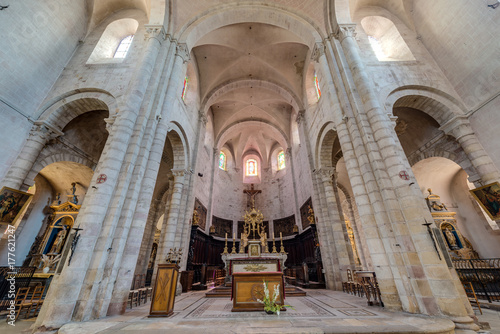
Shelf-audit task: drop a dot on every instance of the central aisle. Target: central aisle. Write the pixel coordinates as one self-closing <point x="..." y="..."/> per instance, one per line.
<point x="322" y="311"/>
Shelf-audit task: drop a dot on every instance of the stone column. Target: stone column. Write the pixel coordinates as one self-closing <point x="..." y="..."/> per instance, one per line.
<point x="459" y="127"/>
<point x="167" y="238"/>
<point x="39" y="135"/>
<point x="417" y="273"/>
<point x="152" y="152"/>
<point x="343" y="250"/>
<point x="63" y="301"/>
<point x="325" y="235"/>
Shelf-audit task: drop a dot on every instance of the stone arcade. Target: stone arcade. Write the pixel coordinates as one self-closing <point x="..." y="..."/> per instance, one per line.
<point x="137" y="126"/>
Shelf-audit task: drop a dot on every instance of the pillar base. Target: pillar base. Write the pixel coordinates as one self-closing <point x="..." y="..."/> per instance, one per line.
<point x="464" y="325"/>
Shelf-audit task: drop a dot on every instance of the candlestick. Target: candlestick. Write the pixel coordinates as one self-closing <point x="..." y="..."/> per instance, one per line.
<point x="274" y="246"/>
<point x="225" y="246"/>
<point x="282" y="249"/>
<point x="242" y="248"/>
<point x="233" y="250"/>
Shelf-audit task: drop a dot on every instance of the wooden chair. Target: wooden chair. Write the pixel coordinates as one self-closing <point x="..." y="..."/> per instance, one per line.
<point x="369" y="284"/>
<point x="471" y="294"/>
<point x="20" y="302"/>
<point x="134" y="295"/>
<point x="351" y="286"/>
<point x="36" y="300"/>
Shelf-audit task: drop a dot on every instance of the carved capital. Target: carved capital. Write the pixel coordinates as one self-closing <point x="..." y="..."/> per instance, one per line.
<point x="155" y="31"/>
<point x="288" y="152"/>
<point x="45" y="131"/>
<point x="457" y="127"/>
<point x="344" y="31"/>
<point x="178" y="172"/>
<point x="110" y="121"/>
<point x="202" y="117"/>
<point x="318" y="51"/>
<point x="325" y="173"/>
<point x="182" y="51"/>
<point x="300" y="116"/>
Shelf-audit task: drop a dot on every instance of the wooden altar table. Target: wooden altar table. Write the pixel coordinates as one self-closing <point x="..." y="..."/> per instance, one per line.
<point x="247" y="287"/>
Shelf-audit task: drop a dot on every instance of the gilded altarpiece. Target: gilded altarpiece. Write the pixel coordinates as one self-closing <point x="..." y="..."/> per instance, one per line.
<point x="241" y="223"/>
<point x="52" y="251"/>
<point x="456" y="244"/>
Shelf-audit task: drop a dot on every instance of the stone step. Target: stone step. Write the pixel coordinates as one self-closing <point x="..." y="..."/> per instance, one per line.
<point x="225" y="292"/>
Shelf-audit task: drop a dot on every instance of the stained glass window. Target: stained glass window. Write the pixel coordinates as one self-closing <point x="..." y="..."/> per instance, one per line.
<point x="184" y="88"/>
<point x="222" y="161"/>
<point x="122" y="49"/>
<point x="251" y="167"/>
<point x="316" y="84"/>
<point x="281" y="160"/>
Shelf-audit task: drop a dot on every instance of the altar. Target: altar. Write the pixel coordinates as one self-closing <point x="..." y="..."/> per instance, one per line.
<point x="254" y="265"/>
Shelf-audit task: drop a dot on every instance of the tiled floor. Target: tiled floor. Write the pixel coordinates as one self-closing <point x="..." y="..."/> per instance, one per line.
<point x="322" y="311"/>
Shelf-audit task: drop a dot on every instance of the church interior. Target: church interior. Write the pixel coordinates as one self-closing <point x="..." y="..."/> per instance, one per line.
<point x="344" y="146"/>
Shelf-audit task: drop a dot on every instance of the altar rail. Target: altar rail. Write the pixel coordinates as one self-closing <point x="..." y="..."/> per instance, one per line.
<point x="484" y="274"/>
<point x="22" y="276"/>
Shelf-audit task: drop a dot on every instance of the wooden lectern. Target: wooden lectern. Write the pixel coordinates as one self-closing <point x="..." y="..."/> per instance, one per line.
<point x="162" y="304"/>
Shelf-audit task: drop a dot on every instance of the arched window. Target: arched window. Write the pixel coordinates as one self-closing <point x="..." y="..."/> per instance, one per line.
<point x="122" y="49"/>
<point x="377" y="47"/>
<point x="184" y="89"/>
<point x="251" y="167"/>
<point x="281" y="160"/>
<point x="316" y="84"/>
<point x="222" y="161"/>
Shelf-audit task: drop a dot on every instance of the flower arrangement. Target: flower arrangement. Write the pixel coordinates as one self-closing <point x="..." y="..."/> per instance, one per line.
<point x="270" y="305"/>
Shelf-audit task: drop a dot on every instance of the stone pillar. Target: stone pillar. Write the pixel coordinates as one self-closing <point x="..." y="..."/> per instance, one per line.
<point x="459" y="127"/>
<point x="418" y="275"/>
<point x="64" y="301"/>
<point x="167" y="238"/>
<point x="152" y="151"/>
<point x="343" y="250"/>
<point x="39" y="135"/>
<point x="325" y="235"/>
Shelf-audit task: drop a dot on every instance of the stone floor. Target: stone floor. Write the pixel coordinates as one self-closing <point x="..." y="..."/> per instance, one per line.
<point x="322" y="311"/>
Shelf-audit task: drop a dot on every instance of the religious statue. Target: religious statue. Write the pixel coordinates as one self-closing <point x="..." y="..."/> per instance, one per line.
<point x="58" y="242"/>
<point x="452" y="240"/>
<point x="153" y="256"/>
<point x="196" y="217"/>
<point x="310" y="215"/>
<point x="434" y="202"/>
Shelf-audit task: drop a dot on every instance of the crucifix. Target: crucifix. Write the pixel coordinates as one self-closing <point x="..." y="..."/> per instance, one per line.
<point x="252" y="192"/>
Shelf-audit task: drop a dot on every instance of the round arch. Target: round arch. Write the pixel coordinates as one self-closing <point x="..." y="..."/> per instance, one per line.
<point x="53" y="158"/>
<point x="180" y="146"/>
<point x="324" y="146"/>
<point x="222" y="137"/>
<point x="266" y="13"/>
<point x="217" y="92"/>
<point x="436" y="103"/>
<point x="58" y="112"/>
